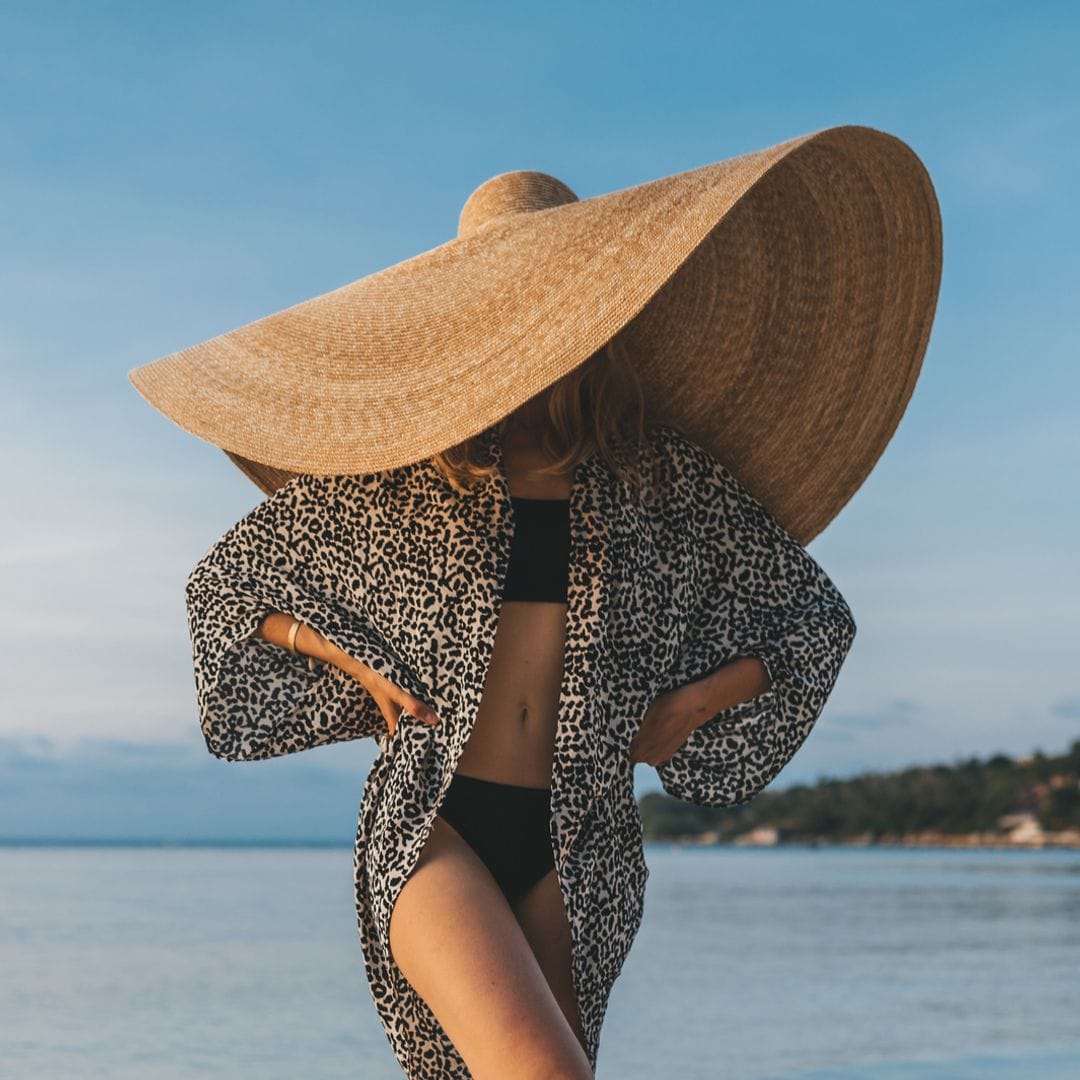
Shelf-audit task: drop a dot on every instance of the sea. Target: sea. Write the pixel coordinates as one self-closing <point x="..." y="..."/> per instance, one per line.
<point x="772" y="963"/>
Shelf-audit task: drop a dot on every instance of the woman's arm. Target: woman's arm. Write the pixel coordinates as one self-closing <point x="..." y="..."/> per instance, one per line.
<point x="256" y="699"/>
<point x="675" y="714"/>
<point x="729" y="685"/>
<point x="276" y="626"/>
<point x="390" y="698"/>
<point x="758" y="594"/>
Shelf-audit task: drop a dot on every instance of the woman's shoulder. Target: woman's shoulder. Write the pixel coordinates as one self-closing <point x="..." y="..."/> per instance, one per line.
<point x="328" y="509"/>
<point x="369" y="489"/>
<point x="683" y="467"/>
<point x="680" y="449"/>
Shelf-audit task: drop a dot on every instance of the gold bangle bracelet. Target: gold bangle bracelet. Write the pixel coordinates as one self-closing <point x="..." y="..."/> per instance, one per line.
<point x="293" y="630"/>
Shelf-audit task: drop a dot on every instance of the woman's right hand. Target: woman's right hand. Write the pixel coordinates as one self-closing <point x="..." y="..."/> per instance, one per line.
<point x="391" y="699"/>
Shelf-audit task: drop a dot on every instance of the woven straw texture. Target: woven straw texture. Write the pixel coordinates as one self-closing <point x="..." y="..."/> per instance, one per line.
<point x="777" y="306"/>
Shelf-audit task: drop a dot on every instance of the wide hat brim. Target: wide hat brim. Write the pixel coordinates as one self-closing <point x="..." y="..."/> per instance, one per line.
<point x="777" y="306"/>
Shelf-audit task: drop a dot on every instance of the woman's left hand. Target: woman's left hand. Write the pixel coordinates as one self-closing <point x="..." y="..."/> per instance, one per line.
<point x="667" y="724"/>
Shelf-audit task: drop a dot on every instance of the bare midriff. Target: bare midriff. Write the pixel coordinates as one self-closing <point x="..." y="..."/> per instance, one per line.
<point x="513" y="739"/>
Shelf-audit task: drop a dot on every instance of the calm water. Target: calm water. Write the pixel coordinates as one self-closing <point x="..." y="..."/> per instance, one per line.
<point x="808" y="964"/>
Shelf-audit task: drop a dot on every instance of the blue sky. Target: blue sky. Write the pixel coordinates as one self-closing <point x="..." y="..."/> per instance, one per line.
<point x="168" y="172"/>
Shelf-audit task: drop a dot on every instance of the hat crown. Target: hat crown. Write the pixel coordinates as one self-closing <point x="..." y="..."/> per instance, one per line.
<point x="516" y="192"/>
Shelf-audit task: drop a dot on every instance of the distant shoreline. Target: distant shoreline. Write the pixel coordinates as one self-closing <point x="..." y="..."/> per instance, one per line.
<point x="959" y="843"/>
<point x="1068" y="842"/>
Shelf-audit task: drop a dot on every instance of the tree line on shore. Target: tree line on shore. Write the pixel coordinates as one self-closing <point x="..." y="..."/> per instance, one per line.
<point x="969" y="796"/>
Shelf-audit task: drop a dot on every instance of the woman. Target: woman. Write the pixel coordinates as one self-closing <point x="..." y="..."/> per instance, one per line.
<point x="473" y="960"/>
<point x="480" y="928"/>
<point x="520" y="617"/>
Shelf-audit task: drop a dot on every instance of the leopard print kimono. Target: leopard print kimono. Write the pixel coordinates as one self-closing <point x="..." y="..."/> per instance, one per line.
<point x="405" y="574"/>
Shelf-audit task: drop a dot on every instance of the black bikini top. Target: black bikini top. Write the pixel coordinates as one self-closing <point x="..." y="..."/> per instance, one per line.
<point x="539" y="551"/>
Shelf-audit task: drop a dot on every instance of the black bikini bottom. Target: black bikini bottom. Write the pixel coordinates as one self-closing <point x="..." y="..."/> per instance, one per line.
<point x="507" y="825"/>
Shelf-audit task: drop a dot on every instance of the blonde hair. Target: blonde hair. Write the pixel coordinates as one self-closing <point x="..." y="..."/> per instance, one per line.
<point x="598" y="407"/>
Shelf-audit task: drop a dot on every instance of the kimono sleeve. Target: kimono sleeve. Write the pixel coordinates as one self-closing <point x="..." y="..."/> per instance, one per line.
<point x="256" y="699"/>
<point x="758" y="593"/>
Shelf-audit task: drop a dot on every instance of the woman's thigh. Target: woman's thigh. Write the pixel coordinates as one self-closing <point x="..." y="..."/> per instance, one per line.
<point x="541" y="913"/>
<point x="457" y="941"/>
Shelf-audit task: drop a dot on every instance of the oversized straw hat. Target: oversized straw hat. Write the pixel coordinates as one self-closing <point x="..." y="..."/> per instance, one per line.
<point x="777" y="306"/>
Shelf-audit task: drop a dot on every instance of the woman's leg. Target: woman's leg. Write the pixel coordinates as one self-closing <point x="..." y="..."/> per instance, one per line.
<point x="456" y="940"/>
<point x="541" y="912"/>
